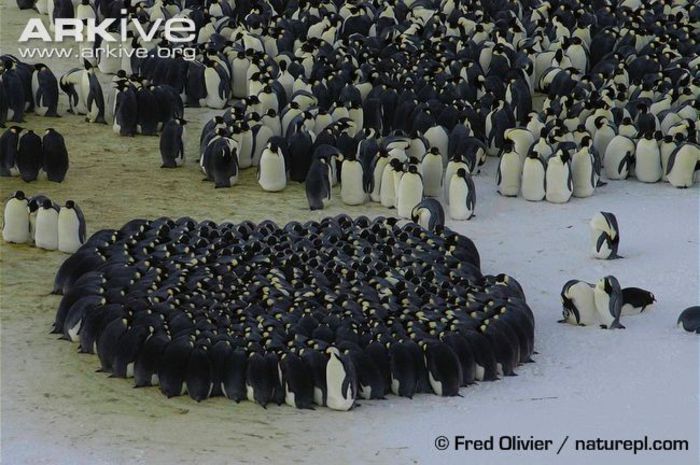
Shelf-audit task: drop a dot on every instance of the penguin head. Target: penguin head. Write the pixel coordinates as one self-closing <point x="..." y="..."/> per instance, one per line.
<point x="19" y="195"/>
<point x="462" y="173"/>
<point x="70" y="204"/>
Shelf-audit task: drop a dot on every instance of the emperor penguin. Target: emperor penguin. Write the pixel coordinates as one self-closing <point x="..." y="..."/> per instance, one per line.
<point x="15" y="227"/>
<point x="532" y="184"/>
<point x="666" y="148"/>
<point x="91" y="89"/>
<point x="456" y="162"/>
<point x="578" y="302"/>
<point x="608" y="302"/>
<point x="216" y="82"/>
<point x="509" y="172"/>
<point x="603" y="135"/>
<point x="558" y="179"/>
<point x="45" y="90"/>
<point x="605" y="236"/>
<point x="462" y="195"/>
<point x="636" y="300"/>
<point x="689" y="319"/>
<point x="428" y="214"/>
<point x="409" y="192"/>
<point x="172" y="146"/>
<point x="341" y="381"/>
<point x="46" y="228"/>
<point x="71" y="228"/>
<point x="352" y="181"/>
<point x="618" y="158"/>
<point x="431" y="168"/>
<point x="388" y="187"/>
<point x="379" y="163"/>
<point x="272" y="171"/>
<point x="583" y="170"/>
<point x="317" y="184"/>
<point x="647" y="166"/>
<point x="682" y="164"/>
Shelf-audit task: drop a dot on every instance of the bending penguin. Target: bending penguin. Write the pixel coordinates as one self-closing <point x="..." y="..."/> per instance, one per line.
<point x="605" y="236"/>
<point x="428" y="214"/>
<point x="608" y="302"/>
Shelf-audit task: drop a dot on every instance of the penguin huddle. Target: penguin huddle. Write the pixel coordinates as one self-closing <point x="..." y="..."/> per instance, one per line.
<point x="40" y="221"/>
<point x="24" y="153"/>
<point x="603" y="303"/>
<point x="26" y="88"/>
<point x="138" y="105"/>
<point x="320" y="313"/>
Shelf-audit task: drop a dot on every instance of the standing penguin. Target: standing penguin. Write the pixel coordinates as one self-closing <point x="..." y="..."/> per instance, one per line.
<point x="9" y="144"/>
<point x="94" y="98"/>
<point x="462" y="196"/>
<point x="558" y="180"/>
<point x="509" y="172"/>
<point x="609" y="301"/>
<point x="619" y="157"/>
<point x="46" y="228"/>
<point x="532" y="184"/>
<point x="682" y="165"/>
<point x="583" y="170"/>
<point x="71" y="228"/>
<point x="223" y="166"/>
<point x="55" y="155"/>
<point x="409" y="192"/>
<point x="379" y="162"/>
<point x="352" y="181"/>
<point x="172" y="146"/>
<point x="29" y="156"/>
<point x="429" y="214"/>
<point x="341" y="381"/>
<point x="15" y="227"/>
<point x="647" y="167"/>
<point x="272" y="171"/>
<point x="578" y="301"/>
<point x="605" y="236"/>
<point x="431" y="170"/>
<point x="317" y="185"/>
<point x="456" y="162"/>
<point x="44" y="91"/>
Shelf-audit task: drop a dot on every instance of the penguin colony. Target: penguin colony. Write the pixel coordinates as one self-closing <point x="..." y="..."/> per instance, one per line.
<point x="318" y="313"/>
<point x="449" y="78"/>
<point x="40" y="221"/>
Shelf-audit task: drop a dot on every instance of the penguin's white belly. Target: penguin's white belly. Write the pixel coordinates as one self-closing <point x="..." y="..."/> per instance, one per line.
<point x="582" y="296"/>
<point x="424" y="218"/>
<point x="582" y="172"/>
<point x="16" y="226"/>
<point x="458" y="200"/>
<point x="387" y="190"/>
<point x="648" y="166"/>
<point x="602" y="304"/>
<point x="211" y="82"/>
<point x="510" y="176"/>
<point x="435" y="384"/>
<point x="68" y="235"/>
<point x="479" y="372"/>
<point x="532" y="185"/>
<point x="431" y="169"/>
<point x="410" y="194"/>
<point x="318" y="396"/>
<point x="604" y="251"/>
<point x="394" y="386"/>
<point x="273" y="176"/>
<point x="556" y="180"/>
<point x="351" y="186"/>
<point x="336" y="399"/>
<point x="47" y="231"/>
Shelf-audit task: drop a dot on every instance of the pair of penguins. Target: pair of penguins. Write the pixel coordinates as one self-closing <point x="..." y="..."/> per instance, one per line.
<point x="603" y="303"/>
<point x="24" y="153"/>
<point x="209" y="309"/>
<point x="25" y="87"/>
<point x="42" y="222"/>
<point x="138" y="106"/>
<point x="84" y="91"/>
